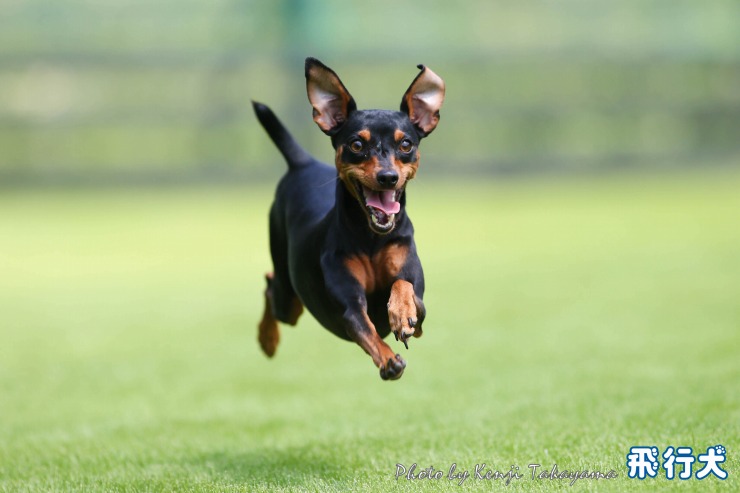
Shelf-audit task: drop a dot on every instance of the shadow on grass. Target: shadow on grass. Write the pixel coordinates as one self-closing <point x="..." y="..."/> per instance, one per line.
<point x="289" y="467"/>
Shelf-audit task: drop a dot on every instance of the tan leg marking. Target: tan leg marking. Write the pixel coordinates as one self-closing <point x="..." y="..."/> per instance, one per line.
<point x="296" y="309"/>
<point x="391" y="365"/>
<point x="269" y="333"/>
<point x="402" y="310"/>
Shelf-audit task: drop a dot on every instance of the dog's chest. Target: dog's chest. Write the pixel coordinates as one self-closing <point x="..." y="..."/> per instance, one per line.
<point x="380" y="270"/>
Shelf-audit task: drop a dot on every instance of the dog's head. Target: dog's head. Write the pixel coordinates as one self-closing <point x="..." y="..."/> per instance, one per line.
<point x="377" y="151"/>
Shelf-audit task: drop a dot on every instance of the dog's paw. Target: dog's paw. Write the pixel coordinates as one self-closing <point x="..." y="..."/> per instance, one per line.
<point x="404" y="329"/>
<point x="402" y="314"/>
<point x="393" y="368"/>
<point x="268" y="336"/>
<point x="417" y="331"/>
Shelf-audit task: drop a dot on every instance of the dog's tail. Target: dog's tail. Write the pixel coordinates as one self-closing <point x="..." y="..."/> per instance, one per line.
<point x="294" y="154"/>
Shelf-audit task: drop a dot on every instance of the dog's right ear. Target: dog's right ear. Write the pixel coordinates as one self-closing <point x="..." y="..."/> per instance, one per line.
<point x="332" y="103"/>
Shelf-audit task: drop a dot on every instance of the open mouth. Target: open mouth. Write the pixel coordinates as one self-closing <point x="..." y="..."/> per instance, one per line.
<point x="381" y="206"/>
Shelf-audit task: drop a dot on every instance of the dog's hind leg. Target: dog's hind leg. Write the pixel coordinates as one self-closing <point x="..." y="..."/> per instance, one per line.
<point x="278" y="307"/>
<point x="269" y="333"/>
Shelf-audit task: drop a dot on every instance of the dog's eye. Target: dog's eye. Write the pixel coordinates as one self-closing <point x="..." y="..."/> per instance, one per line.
<point x="405" y="146"/>
<point x="356" y="145"/>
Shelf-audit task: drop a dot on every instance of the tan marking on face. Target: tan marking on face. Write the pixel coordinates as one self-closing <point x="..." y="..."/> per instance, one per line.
<point x="363" y="172"/>
<point x="412" y="168"/>
<point x="406" y="171"/>
<point x="365" y="135"/>
<point x="338" y="160"/>
<point x="369" y="170"/>
<point x="399" y="135"/>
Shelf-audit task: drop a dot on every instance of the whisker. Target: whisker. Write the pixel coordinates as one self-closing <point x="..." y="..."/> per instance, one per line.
<point x="328" y="182"/>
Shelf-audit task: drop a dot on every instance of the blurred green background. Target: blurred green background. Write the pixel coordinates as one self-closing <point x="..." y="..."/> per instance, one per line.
<point x="116" y="91"/>
<point x="585" y="306"/>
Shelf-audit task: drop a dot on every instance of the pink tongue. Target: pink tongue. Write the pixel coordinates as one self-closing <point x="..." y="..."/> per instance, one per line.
<point x="383" y="200"/>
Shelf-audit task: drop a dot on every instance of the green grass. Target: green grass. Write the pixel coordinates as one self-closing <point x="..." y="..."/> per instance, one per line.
<point x="568" y="320"/>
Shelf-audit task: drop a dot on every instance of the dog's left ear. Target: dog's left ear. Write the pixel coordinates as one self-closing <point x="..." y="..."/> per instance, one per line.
<point x="332" y="103"/>
<point x="423" y="99"/>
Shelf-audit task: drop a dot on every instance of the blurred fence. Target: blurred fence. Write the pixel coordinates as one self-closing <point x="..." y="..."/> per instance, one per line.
<point x="159" y="90"/>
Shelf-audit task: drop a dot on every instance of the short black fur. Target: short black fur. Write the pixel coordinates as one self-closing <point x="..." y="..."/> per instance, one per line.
<point x="321" y="233"/>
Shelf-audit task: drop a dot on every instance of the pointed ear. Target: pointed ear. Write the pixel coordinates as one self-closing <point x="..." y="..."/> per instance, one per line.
<point x="331" y="101"/>
<point x="423" y="99"/>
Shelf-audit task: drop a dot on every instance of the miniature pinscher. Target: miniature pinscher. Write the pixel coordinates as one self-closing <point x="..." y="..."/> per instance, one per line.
<point x="341" y="242"/>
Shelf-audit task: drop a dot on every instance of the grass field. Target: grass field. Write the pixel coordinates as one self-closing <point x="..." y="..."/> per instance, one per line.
<point x="568" y="320"/>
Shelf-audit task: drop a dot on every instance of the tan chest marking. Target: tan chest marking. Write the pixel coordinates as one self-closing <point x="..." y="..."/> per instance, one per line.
<point x="380" y="270"/>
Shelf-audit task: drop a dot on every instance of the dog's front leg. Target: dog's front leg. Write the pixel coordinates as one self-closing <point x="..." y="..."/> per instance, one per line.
<point x="350" y="297"/>
<point x="361" y="329"/>
<point x="406" y="311"/>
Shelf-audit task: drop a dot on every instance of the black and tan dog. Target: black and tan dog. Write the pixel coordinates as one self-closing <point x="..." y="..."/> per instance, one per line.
<point x="344" y="248"/>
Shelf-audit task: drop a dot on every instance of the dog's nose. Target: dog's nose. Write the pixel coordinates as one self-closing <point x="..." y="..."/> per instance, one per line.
<point x="387" y="178"/>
